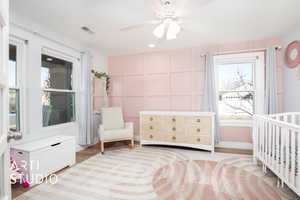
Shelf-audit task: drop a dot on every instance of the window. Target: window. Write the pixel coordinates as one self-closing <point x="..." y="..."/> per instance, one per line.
<point x="14" y="90"/>
<point x="236" y="90"/>
<point x="58" y="96"/>
<point x="240" y="85"/>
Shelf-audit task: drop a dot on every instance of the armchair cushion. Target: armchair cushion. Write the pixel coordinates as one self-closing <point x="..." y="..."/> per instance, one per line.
<point x="115" y="134"/>
<point x="112" y="118"/>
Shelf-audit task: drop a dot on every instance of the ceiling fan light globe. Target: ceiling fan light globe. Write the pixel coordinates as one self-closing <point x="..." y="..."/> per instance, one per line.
<point x="171" y="36"/>
<point x="159" y="31"/>
<point x="173" y="30"/>
<point x="174" y="27"/>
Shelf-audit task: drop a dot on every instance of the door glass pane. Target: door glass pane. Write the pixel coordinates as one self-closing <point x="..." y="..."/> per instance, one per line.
<point x="12" y="70"/>
<point x="58" y="107"/>
<point x="14" y="110"/>
<point x="56" y="73"/>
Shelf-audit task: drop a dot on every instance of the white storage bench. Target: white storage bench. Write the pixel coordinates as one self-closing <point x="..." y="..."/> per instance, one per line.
<point x="43" y="157"/>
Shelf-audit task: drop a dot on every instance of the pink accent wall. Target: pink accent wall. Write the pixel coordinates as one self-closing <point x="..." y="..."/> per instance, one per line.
<point x="171" y="80"/>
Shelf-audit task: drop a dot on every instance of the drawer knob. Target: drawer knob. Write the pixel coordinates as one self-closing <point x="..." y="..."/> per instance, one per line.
<point x="174" y="138"/>
<point x="198" y="120"/>
<point x="151" y="118"/>
<point x="198" y="139"/>
<point x="174" y="120"/>
<point x="198" y="129"/>
<point x="151" y="127"/>
<point x="151" y="136"/>
<point x="174" y="129"/>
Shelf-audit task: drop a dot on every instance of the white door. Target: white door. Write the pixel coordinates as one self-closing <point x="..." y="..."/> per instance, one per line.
<point x="5" y="191"/>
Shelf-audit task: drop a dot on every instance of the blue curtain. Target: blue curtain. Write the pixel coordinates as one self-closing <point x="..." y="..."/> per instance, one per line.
<point x="210" y="103"/>
<point x="86" y="134"/>
<point x="270" y="106"/>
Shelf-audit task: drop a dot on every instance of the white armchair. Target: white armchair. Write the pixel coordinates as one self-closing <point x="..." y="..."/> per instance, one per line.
<point x="113" y="127"/>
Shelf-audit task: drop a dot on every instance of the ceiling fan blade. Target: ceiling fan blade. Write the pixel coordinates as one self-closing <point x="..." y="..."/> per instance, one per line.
<point x="128" y="28"/>
<point x="136" y="26"/>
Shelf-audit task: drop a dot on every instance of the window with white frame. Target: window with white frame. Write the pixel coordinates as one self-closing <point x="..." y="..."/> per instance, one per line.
<point x="58" y="95"/>
<point x="240" y="85"/>
<point x="14" y="87"/>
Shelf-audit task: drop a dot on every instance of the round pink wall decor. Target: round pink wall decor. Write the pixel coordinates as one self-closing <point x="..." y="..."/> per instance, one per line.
<point x="292" y="54"/>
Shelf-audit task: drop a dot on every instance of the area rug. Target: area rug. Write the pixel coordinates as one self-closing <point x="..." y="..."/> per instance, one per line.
<point x="156" y="173"/>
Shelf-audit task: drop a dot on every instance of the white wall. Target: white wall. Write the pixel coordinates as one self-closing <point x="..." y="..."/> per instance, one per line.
<point x="291" y="81"/>
<point x="33" y="107"/>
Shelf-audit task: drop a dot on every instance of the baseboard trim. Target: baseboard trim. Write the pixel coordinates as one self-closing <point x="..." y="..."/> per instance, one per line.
<point x="234" y="151"/>
<point x="235" y="145"/>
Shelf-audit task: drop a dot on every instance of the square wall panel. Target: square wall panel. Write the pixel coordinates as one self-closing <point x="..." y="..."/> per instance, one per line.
<point x="157" y="103"/>
<point x="134" y="65"/>
<point x="115" y="86"/>
<point x="132" y="106"/>
<point x="115" y="65"/>
<point x="181" y="83"/>
<point x="236" y="134"/>
<point x="181" y="103"/>
<point x="197" y="103"/>
<point x="181" y="60"/>
<point x="115" y="101"/>
<point x="198" y="83"/>
<point x="134" y="86"/>
<point x="156" y="63"/>
<point x="157" y="84"/>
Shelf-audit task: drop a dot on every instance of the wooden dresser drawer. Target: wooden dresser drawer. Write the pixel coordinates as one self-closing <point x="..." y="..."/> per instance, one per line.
<point x="174" y="120"/>
<point x="173" y="129"/>
<point x="149" y="136"/>
<point x="151" y="119"/>
<point x="202" y="121"/>
<point x="174" y="138"/>
<point x="150" y="128"/>
<point x="204" y="140"/>
<point x="199" y="129"/>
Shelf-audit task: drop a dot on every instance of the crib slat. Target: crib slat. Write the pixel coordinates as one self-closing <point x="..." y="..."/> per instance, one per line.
<point x="265" y="142"/>
<point x="273" y="131"/>
<point x="271" y="144"/>
<point x="287" y="154"/>
<point x="255" y="139"/>
<point x="282" y="154"/>
<point x="277" y="149"/>
<point x="293" y="157"/>
<point x="269" y="140"/>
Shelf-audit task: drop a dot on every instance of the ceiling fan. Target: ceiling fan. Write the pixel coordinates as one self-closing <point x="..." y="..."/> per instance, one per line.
<point x="168" y="22"/>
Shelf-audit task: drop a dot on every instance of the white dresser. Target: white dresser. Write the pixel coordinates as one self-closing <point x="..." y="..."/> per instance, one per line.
<point x="185" y="129"/>
<point x="43" y="157"/>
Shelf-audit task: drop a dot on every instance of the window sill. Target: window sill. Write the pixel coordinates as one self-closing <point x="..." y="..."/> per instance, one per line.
<point x="60" y="126"/>
<point x="236" y="123"/>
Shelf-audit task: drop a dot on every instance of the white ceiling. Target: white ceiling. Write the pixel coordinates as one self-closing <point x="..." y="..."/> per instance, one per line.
<point x="204" y="21"/>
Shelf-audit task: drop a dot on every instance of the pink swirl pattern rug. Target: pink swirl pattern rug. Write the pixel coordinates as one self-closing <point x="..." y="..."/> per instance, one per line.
<point x="209" y="180"/>
<point x="156" y="173"/>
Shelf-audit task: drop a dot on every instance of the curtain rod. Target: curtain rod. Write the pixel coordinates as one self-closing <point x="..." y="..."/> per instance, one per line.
<point x="277" y="47"/>
<point x="46" y="37"/>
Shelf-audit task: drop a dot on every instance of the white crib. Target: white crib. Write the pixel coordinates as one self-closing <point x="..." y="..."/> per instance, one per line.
<point x="276" y="141"/>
